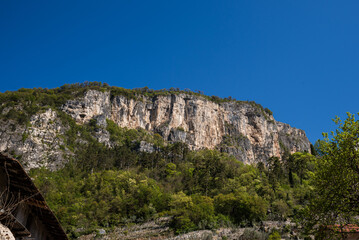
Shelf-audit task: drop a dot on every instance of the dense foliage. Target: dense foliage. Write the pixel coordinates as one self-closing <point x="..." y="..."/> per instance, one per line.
<point x="336" y="199"/>
<point x="107" y="187"/>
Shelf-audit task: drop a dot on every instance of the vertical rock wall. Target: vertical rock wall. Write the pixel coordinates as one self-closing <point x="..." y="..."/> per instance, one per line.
<point x="241" y="129"/>
<point x="238" y="128"/>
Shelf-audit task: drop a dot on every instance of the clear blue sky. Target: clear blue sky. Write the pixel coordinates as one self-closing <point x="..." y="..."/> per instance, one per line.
<point x="298" y="58"/>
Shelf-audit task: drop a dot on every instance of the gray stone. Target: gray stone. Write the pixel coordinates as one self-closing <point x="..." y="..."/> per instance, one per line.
<point x="241" y="129"/>
<point x="196" y="121"/>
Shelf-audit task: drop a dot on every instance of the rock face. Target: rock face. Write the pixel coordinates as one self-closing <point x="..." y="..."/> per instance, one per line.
<point x="38" y="144"/>
<point x="241" y="129"/>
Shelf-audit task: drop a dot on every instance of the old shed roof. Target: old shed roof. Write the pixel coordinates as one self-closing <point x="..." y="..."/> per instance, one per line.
<point x="22" y="185"/>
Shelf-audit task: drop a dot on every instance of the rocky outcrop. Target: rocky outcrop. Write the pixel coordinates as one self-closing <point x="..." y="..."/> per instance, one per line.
<point x="239" y="128"/>
<point x="159" y="230"/>
<point x="39" y="144"/>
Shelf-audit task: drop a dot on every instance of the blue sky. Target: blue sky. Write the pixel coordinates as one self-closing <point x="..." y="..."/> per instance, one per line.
<point x="298" y="58"/>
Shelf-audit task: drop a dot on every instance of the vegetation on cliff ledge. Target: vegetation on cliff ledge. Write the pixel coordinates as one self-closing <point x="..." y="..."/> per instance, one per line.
<point x="22" y="104"/>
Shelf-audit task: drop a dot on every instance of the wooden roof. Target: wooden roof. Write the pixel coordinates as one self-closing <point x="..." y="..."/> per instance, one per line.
<point x="21" y="184"/>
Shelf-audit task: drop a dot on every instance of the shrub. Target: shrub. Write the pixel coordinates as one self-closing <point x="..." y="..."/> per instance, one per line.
<point x="274" y="236"/>
<point x="251" y="234"/>
<point x="269" y="112"/>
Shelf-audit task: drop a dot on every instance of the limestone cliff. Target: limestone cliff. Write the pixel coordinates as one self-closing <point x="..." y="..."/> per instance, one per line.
<point x="239" y="128"/>
<point x="242" y="129"/>
<point x="38" y="144"/>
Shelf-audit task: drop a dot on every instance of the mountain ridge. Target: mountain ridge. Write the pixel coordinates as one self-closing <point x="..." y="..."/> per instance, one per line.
<point x="243" y="129"/>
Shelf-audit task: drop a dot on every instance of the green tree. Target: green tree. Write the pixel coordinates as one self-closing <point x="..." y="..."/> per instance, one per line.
<point x="302" y="164"/>
<point x="275" y="171"/>
<point x="274" y="236"/>
<point x="336" y="180"/>
<point x="241" y="207"/>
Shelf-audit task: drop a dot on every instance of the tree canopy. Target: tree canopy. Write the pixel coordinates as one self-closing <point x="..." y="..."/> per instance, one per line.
<point x="336" y="182"/>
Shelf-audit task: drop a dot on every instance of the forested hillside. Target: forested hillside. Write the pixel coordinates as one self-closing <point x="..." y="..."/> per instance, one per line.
<point x="98" y="174"/>
<point x="205" y="189"/>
